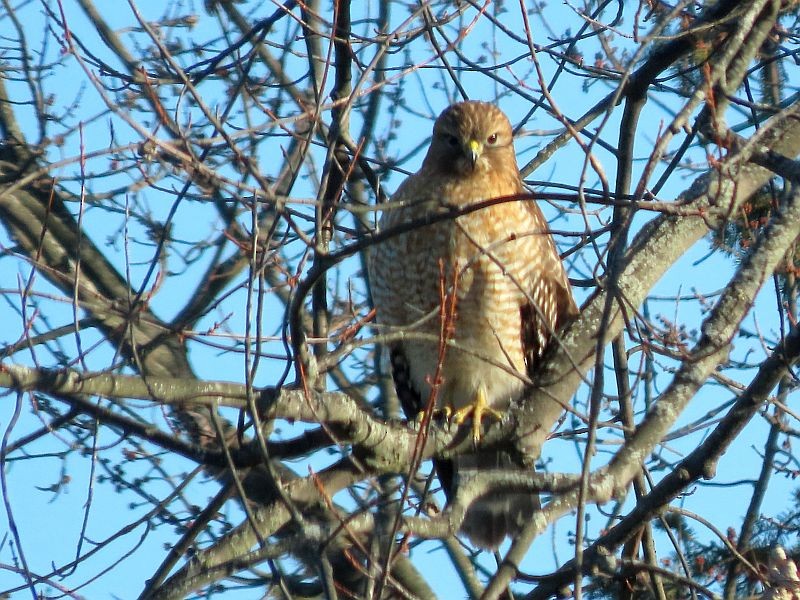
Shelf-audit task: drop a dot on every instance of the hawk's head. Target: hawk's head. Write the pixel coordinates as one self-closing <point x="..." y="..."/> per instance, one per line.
<point x="471" y="138"/>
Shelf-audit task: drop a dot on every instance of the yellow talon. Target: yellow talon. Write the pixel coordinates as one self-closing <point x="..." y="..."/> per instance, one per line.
<point x="477" y="409"/>
<point x="445" y="411"/>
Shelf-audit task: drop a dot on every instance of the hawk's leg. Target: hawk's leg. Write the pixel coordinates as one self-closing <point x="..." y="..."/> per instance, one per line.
<point x="477" y="409"/>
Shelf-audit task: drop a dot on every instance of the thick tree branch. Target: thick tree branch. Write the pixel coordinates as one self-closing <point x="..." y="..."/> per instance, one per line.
<point x="718" y="332"/>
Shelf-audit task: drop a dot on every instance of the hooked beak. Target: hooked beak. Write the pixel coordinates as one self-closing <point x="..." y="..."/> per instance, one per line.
<point x="474" y="149"/>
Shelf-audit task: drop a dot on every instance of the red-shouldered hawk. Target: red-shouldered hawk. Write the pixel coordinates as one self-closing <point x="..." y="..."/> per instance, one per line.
<point x="511" y="292"/>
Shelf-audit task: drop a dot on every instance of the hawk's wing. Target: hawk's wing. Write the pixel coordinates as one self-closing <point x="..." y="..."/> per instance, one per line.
<point x="549" y="304"/>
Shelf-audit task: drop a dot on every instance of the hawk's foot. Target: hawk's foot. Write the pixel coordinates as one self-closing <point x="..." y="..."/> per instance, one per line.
<point x="477" y="410"/>
<point x="444" y="413"/>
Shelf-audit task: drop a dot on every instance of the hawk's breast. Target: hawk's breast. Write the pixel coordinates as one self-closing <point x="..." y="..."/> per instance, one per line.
<point x="486" y="258"/>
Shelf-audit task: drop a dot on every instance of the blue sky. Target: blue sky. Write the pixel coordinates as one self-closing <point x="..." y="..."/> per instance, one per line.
<point x="50" y="518"/>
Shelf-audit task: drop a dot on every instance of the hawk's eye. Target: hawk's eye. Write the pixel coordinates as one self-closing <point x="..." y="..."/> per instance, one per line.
<point x="492" y="139"/>
<point x="452" y="141"/>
